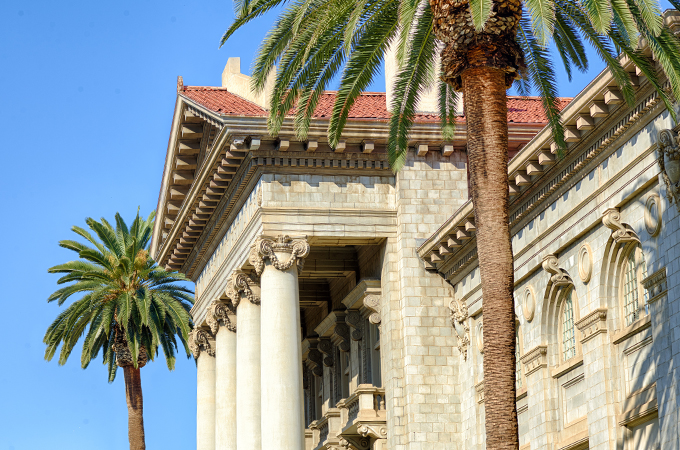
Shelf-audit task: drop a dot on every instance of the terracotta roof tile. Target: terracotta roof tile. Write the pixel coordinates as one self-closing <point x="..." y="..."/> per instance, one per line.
<point x="369" y="106"/>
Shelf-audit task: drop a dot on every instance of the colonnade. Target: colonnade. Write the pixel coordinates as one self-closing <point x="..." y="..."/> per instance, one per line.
<point x="249" y="378"/>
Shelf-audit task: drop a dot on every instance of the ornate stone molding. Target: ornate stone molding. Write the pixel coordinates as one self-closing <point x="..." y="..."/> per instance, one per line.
<point x="535" y="359"/>
<point x="374" y="431"/>
<point x="220" y="313"/>
<point x="656" y="284"/>
<point x="528" y="303"/>
<point x="372" y="302"/>
<point x="459" y="321"/>
<point x="612" y="220"/>
<point x="199" y="340"/>
<point x="325" y="346"/>
<point x="558" y="276"/>
<point x="479" y="331"/>
<point x="241" y="283"/>
<point x="593" y="324"/>
<point x="670" y="150"/>
<point x="585" y="262"/>
<point x="356" y="322"/>
<point x="355" y="444"/>
<point x="266" y="247"/>
<point x="653" y="215"/>
<point x="479" y="389"/>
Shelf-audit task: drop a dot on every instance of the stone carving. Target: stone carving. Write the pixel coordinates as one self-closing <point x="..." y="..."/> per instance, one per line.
<point x="459" y="320"/>
<point x="535" y="359"/>
<point x="479" y="331"/>
<point x="316" y="359"/>
<point x="479" y="388"/>
<point x="241" y="283"/>
<point x="528" y="303"/>
<point x="220" y="313"/>
<point x="372" y="302"/>
<point x="266" y="248"/>
<point x="326" y="347"/>
<point x="656" y="285"/>
<point x="585" y="262"/>
<point x="355" y="320"/>
<point x="123" y="353"/>
<point x="593" y="324"/>
<point x="342" y="332"/>
<point x="612" y="220"/>
<point x="375" y="431"/>
<point x="356" y="444"/>
<point x="653" y="215"/>
<point x="199" y="340"/>
<point x="669" y="162"/>
<point x="559" y="277"/>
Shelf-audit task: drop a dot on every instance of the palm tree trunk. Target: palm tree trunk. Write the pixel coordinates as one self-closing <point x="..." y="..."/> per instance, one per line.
<point x="135" y="403"/>
<point x="484" y="90"/>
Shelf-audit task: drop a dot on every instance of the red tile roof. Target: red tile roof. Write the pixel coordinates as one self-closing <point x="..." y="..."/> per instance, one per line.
<point x="370" y="105"/>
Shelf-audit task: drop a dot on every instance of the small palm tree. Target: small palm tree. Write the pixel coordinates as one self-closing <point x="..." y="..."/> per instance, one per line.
<point x="486" y="46"/>
<point x="130" y="305"/>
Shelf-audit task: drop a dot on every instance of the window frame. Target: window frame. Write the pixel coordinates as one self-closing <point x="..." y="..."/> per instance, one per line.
<point x="640" y="268"/>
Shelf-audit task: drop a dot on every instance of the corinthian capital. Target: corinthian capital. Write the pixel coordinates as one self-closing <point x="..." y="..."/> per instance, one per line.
<point x="199" y="340"/>
<point x="241" y="284"/>
<point x="266" y="247"/>
<point x="220" y="313"/>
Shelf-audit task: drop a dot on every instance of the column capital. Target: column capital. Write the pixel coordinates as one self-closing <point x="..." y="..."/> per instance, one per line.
<point x="266" y="247"/>
<point x="199" y="340"/>
<point x="242" y="283"/>
<point x="221" y="313"/>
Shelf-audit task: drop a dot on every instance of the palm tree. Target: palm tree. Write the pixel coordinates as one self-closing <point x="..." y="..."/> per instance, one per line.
<point x="486" y="46"/>
<point x="130" y="305"/>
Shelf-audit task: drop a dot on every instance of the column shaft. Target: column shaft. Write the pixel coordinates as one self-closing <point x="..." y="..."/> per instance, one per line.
<point x="282" y="393"/>
<point x="225" y="395"/>
<point x="205" y="402"/>
<point x="248" y="435"/>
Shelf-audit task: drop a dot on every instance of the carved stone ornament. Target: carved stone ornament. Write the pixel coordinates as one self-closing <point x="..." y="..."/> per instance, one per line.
<point x="653" y="215"/>
<point x="342" y="332"/>
<point x="535" y="359"/>
<point x="199" y="340"/>
<point x="558" y="277"/>
<point x="585" y="262"/>
<point x="375" y="431"/>
<point x="459" y="321"/>
<point x="316" y="359"/>
<point x="528" y="303"/>
<point x="593" y="324"/>
<point x="241" y="283"/>
<point x="479" y="332"/>
<point x="372" y="302"/>
<point x="356" y="443"/>
<point x="220" y="313"/>
<point x="266" y="248"/>
<point x="355" y="320"/>
<point x="325" y="346"/>
<point x="669" y="162"/>
<point x="612" y="220"/>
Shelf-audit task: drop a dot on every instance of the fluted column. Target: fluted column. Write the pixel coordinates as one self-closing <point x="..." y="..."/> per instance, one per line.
<point x="201" y="345"/>
<point x="278" y="260"/>
<point x="222" y="321"/>
<point x="244" y="294"/>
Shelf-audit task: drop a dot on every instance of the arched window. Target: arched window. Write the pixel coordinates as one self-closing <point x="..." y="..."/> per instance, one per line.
<point x="634" y="294"/>
<point x="567" y="325"/>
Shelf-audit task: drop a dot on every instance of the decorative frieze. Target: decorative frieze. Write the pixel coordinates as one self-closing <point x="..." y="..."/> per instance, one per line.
<point x="612" y="220"/>
<point x="459" y="321"/>
<point x="535" y="359"/>
<point x="656" y="285"/>
<point x="240" y="283"/>
<point x="221" y="313"/>
<point x="200" y="340"/>
<point x="558" y="276"/>
<point x="266" y="247"/>
<point x="593" y="324"/>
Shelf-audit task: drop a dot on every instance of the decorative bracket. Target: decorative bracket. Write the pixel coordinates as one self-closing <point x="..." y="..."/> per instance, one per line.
<point x="559" y="277"/>
<point x="220" y="313"/>
<point x="341" y="333"/>
<point x="355" y="320"/>
<point x="372" y="302"/>
<point x="374" y="431"/>
<point x="326" y="347"/>
<point x="266" y="247"/>
<point x="316" y="358"/>
<point x="669" y="162"/>
<point x="612" y="220"/>
<point x="459" y="321"/>
<point x="199" y="340"/>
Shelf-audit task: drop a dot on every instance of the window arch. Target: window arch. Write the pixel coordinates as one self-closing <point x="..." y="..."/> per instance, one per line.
<point x="634" y="295"/>
<point x="567" y="322"/>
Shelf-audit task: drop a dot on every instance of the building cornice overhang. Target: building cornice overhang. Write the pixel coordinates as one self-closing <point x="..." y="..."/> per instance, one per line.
<point x="251" y="133"/>
<point x="442" y="252"/>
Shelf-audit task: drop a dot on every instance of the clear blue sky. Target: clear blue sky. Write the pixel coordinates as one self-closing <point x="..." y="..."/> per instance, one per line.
<point x="89" y="91"/>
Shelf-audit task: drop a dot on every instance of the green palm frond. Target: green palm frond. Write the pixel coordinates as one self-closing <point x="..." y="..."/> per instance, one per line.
<point x="480" y="11"/>
<point x="542" y="19"/>
<point x="123" y="291"/>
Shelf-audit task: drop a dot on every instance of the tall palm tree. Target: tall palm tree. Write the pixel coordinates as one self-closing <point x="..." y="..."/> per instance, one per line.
<point x="485" y="46"/>
<point x="131" y="306"/>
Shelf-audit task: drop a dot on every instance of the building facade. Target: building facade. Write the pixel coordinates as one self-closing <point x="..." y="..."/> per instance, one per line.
<point x="338" y="305"/>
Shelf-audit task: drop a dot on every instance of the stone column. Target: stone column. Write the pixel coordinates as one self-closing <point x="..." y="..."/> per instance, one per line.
<point x="222" y="321"/>
<point x="244" y="294"/>
<point x="204" y="352"/>
<point x="278" y="261"/>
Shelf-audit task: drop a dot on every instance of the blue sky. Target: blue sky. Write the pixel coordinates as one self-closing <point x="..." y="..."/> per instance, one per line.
<point x="89" y="90"/>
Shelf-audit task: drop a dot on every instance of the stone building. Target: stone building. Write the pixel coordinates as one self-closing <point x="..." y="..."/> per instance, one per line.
<point x="338" y="305"/>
